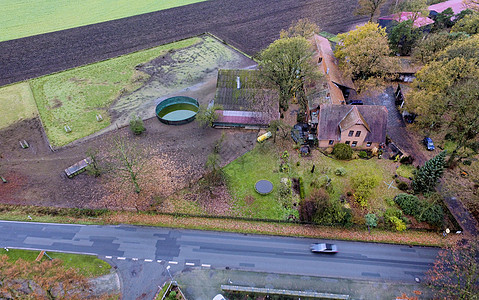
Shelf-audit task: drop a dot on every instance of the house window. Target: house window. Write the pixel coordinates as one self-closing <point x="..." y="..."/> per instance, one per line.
<point x="331" y="142"/>
<point x="358" y="133"/>
<point x="354" y="144"/>
<point x="347" y="142"/>
<point x="368" y="144"/>
<point x="351" y="133"/>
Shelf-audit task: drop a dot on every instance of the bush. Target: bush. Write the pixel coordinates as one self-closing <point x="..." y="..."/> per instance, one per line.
<point x="206" y="116"/>
<point x="467" y="162"/>
<point x="433" y="215"/>
<point x="403" y="186"/>
<point x="397" y="223"/>
<point x="301" y="188"/>
<point x="407" y="160"/>
<point x="340" y="171"/>
<point x="371" y="220"/>
<point x="342" y="151"/>
<point x="409" y="204"/>
<point x="363" y="154"/>
<point x="136" y="125"/>
<point x="363" y="184"/>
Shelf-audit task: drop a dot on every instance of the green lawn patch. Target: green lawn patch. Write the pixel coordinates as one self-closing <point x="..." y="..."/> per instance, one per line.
<point x="406" y="171"/>
<point x="26" y="18"/>
<point x="87" y="265"/>
<point x="75" y="97"/>
<point x="331" y="37"/>
<point x="264" y="161"/>
<point x="17" y="104"/>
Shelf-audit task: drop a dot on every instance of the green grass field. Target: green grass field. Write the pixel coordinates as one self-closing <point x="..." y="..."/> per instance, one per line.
<point x="21" y="18"/>
<point x="263" y="163"/>
<point x="74" y="97"/>
<point x="87" y="265"/>
<point x="17" y="104"/>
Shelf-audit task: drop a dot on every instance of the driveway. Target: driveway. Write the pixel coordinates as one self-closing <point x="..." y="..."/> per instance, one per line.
<point x="396" y="128"/>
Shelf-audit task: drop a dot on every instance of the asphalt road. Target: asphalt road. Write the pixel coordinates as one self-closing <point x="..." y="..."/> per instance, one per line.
<point x="181" y="249"/>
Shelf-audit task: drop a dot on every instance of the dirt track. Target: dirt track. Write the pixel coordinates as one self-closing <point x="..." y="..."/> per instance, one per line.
<point x="249" y="25"/>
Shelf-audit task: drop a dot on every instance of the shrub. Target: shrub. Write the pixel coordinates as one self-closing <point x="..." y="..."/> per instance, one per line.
<point x="407" y="160"/>
<point x="403" y="186"/>
<point x="340" y="171"/>
<point x="371" y="220"/>
<point x="397" y="223"/>
<point x="301" y="188"/>
<point x="136" y="125"/>
<point x="467" y="162"/>
<point x="363" y="154"/>
<point x="433" y="215"/>
<point x="342" y="151"/>
<point x="206" y="116"/>
<point x="363" y="184"/>
<point x="409" y="204"/>
<point x="312" y="204"/>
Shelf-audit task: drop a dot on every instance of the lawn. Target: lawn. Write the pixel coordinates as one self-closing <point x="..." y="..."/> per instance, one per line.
<point x="17" y="104"/>
<point x="21" y="18"/>
<point x="87" y="265"/>
<point x="75" y="97"/>
<point x="263" y="163"/>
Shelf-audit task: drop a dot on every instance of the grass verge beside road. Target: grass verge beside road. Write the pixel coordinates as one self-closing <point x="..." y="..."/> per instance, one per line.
<point x="423" y="238"/>
<point x="87" y="265"/>
<point x="25" y="18"/>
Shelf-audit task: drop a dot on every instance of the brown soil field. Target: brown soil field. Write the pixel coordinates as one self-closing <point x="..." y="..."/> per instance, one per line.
<point x="249" y="25"/>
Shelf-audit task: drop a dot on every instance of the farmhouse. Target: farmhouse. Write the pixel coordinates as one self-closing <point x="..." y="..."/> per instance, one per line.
<point x="362" y="126"/>
<point x="246" y="100"/>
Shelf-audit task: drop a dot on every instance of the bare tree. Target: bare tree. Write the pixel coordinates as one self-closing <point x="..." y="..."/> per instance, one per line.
<point x="369" y="8"/>
<point x="127" y="161"/>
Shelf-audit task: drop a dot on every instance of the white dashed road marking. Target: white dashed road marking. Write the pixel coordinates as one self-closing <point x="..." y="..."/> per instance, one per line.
<point x="134" y="258"/>
<point x="173" y="262"/>
<point x="148" y="260"/>
<point x="159" y="261"/>
<point x="109" y="257"/>
<point x="121" y="258"/>
<point x="205" y="265"/>
<point x="189" y="264"/>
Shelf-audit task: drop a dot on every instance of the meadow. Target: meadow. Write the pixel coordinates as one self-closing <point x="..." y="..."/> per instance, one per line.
<point x="75" y="97"/>
<point x="22" y="18"/>
<point x="17" y="104"/>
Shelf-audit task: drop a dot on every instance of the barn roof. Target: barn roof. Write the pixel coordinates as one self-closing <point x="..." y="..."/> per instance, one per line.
<point x="456" y="5"/>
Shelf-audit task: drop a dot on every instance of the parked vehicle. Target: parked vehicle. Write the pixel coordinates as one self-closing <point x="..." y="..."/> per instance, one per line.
<point x="428" y="143"/>
<point x="356" y="102"/>
<point x="324" y="248"/>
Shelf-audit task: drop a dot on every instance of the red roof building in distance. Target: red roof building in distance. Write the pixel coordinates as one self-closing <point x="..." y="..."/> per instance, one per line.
<point x="404" y="16"/>
<point x="456" y="5"/>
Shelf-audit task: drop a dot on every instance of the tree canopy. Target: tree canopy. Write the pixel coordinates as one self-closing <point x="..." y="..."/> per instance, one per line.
<point x="302" y="27"/>
<point x="369" y="8"/>
<point x="403" y="37"/>
<point x="287" y="64"/>
<point x="363" y="54"/>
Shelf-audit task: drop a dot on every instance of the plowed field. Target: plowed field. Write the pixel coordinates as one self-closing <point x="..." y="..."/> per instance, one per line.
<point x="249" y="25"/>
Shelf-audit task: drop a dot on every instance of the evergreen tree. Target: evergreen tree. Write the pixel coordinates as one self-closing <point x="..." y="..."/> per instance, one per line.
<point x="427" y="176"/>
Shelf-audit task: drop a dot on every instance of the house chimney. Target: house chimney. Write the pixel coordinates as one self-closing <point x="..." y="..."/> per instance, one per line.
<point x="238" y="82"/>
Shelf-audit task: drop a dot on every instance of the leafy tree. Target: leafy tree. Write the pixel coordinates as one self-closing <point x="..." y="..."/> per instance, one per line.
<point x="455" y="274"/>
<point x="342" y="151"/>
<point x="427" y="49"/>
<point x="363" y="54"/>
<point x="214" y="175"/>
<point x="443" y="20"/>
<point x="302" y="27"/>
<point x="403" y="36"/>
<point x="431" y="94"/>
<point x="363" y="184"/>
<point x="397" y="223"/>
<point x="469" y="24"/>
<point x="369" y="8"/>
<point x="287" y="64"/>
<point x="427" y="176"/>
<point x="206" y="116"/>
